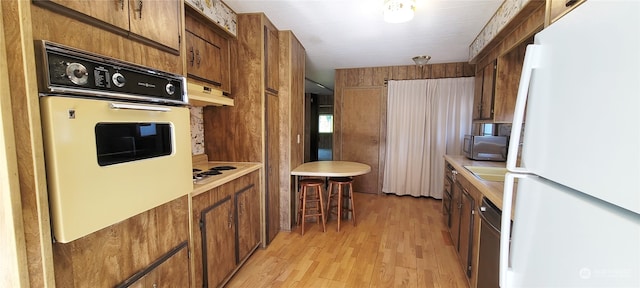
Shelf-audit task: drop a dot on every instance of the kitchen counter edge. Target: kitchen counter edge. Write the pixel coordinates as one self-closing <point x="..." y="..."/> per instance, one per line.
<point x="243" y="169"/>
<point x="491" y="189"/>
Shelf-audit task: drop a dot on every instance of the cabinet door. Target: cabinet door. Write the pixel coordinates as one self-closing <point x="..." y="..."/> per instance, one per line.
<point x="466" y="231"/>
<point x="477" y="95"/>
<point x="272" y="56"/>
<point x="488" y="84"/>
<point x="203" y="60"/>
<point x="113" y="12"/>
<point x="273" y="166"/>
<point x="559" y="8"/>
<point x="213" y="64"/>
<point x="156" y="20"/>
<point x="507" y="83"/>
<point x="218" y="242"/>
<point x="247" y="213"/>
<point x="456" y="207"/>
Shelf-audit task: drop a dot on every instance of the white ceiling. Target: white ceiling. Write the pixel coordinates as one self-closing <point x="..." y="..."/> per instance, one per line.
<point x="351" y="33"/>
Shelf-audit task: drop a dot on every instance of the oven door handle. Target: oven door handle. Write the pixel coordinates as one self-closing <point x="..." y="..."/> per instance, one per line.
<point x="139" y="107"/>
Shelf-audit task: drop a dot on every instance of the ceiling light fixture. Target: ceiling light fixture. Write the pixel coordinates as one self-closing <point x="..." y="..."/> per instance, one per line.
<point x="398" y="11"/>
<point x="421" y="60"/>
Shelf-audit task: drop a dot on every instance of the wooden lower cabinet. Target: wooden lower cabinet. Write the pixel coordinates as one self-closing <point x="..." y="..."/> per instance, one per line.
<point x="248" y="217"/>
<point x="228" y="229"/>
<point x="461" y="220"/>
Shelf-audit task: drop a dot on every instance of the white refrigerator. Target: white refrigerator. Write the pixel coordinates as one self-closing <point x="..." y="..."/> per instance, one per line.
<point x="576" y="216"/>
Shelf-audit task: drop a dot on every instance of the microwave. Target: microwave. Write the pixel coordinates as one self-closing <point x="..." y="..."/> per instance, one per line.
<point x="488" y="148"/>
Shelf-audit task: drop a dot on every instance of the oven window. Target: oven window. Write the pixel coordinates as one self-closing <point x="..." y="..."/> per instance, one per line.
<point x="126" y="142"/>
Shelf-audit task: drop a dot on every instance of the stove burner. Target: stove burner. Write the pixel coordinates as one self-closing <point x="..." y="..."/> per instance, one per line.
<point x="223" y="168"/>
<point x="211" y="172"/>
<point x="198" y="174"/>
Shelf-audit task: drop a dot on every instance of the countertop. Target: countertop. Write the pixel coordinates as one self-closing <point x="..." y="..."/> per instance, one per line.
<point x="204" y="185"/>
<point x="491" y="189"/>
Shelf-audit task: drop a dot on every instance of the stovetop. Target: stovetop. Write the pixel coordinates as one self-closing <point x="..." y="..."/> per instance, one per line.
<point x="199" y="174"/>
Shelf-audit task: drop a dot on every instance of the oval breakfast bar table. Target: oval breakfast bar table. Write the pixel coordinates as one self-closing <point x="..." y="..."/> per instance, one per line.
<point x="329" y="169"/>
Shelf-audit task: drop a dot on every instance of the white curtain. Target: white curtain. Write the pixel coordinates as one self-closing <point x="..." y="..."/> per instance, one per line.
<point x="426" y="119"/>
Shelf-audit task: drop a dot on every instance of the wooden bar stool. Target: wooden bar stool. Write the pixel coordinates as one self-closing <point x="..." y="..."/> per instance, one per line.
<point x="341" y="182"/>
<point x="311" y="204"/>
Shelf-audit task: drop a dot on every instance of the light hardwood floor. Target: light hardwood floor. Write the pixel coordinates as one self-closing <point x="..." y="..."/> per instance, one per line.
<point x="398" y="242"/>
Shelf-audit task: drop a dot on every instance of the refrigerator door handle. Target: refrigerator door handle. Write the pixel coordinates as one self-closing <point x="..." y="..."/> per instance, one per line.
<point x="505" y="226"/>
<point x="531" y="61"/>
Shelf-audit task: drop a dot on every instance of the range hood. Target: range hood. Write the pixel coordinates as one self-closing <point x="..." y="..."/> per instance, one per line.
<point x="200" y="95"/>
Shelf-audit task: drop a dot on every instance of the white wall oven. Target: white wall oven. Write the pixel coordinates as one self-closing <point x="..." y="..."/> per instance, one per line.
<point x="116" y="136"/>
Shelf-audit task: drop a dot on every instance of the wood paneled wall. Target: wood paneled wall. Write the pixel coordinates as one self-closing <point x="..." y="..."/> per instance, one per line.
<point x="291" y="94"/>
<point x="374" y="77"/>
<point x="111" y="255"/>
<point x="28" y="142"/>
<point x="235" y="133"/>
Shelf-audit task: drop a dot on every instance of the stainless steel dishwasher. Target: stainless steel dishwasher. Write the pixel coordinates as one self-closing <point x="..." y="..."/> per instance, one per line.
<point x="489" y="250"/>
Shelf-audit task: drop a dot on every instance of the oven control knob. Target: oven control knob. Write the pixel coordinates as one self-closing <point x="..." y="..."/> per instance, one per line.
<point x="170" y="88"/>
<point x="77" y="73"/>
<point x="118" y="79"/>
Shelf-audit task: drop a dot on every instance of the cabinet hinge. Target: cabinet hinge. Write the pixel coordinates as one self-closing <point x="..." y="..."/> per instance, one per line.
<point x="201" y="224"/>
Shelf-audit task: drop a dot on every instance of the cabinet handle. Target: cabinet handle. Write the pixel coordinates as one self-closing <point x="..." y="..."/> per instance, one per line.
<point x="570" y="3"/>
<point x="193" y="57"/>
<point x="230" y="219"/>
<point x="121" y="4"/>
<point x="198" y="57"/>
<point x="139" y="9"/>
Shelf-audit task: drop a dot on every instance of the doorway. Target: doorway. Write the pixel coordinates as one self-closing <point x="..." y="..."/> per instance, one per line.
<point x="319" y="127"/>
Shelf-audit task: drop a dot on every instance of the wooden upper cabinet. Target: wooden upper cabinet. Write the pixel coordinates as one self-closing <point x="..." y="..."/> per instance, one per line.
<point x="113" y="12"/>
<point x="207" y="53"/>
<point x="496" y="88"/>
<point x="272" y="58"/>
<point x="558" y="8"/>
<point x="156" y="20"/>
<point x="484" y="93"/>
<point x="151" y="21"/>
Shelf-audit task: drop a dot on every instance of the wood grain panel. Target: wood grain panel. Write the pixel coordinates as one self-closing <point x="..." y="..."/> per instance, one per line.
<point x="158" y="21"/>
<point x="14" y="271"/>
<point x="235" y="133"/>
<point x="248" y="215"/>
<point x="18" y="42"/>
<point x="272" y="57"/>
<point x="488" y="90"/>
<point x="120" y="250"/>
<point x="361" y="133"/>
<point x="291" y="96"/>
<point x="200" y="203"/>
<point x="168" y="271"/>
<point x="272" y="165"/>
<point x="215" y="65"/>
<point x="220" y="242"/>
<point x="507" y="82"/>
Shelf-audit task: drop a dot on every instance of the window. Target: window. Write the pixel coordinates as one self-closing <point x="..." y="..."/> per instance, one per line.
<point x="325" y="123"/>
